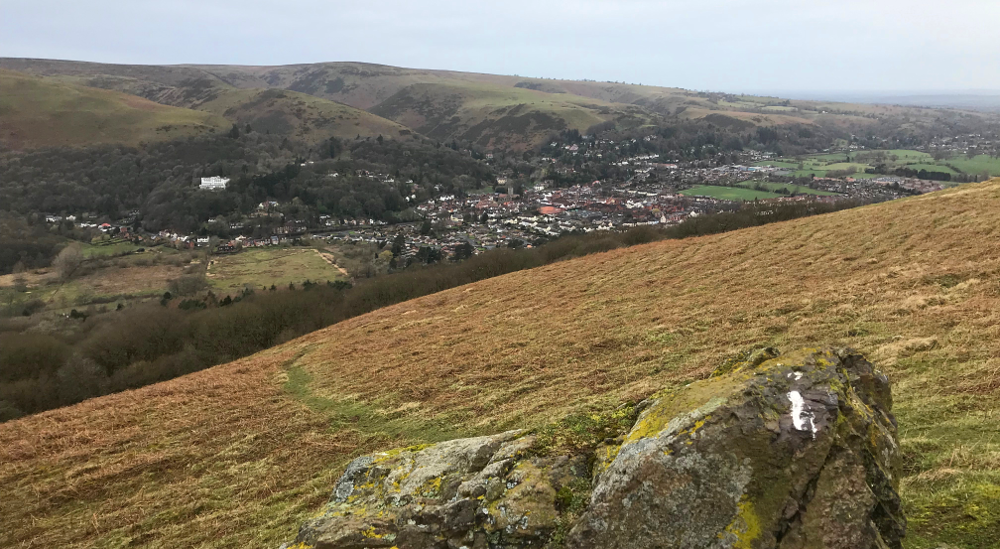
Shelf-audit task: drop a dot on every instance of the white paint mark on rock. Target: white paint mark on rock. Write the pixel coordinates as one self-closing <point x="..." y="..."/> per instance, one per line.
<point x="802" y="418"/>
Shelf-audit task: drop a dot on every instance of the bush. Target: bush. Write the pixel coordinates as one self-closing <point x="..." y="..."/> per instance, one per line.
<point x="188" y="285"/>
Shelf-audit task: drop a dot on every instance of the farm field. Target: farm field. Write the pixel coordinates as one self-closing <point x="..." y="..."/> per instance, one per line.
<point x="102" y="279"/>
<point x="728" y="193"/>
<point x="263" y="267"/>
<point x="978" y="164"/>
<point x="796" y="189"/>
<point x="820" y="164"/>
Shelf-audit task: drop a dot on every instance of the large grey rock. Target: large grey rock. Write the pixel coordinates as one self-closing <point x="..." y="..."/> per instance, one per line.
<point x="786" y="452"/>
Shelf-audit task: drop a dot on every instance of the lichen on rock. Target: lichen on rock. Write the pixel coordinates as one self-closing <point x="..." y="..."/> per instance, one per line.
<point x="774" y="451"/>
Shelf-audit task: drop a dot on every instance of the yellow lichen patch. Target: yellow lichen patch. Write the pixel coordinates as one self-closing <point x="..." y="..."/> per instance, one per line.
<point x="431" y="488"/>
<point x="746" y="526"/>
<point x="701" y="396"/>
<point x="372" y="533"/>
<point x="605" y="454"/>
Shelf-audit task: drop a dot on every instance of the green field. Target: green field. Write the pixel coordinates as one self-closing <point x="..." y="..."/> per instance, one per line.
<point x="111" y="249"/>
<point x="820" y="164"/>
<point x="976" y="165"/>
<point x="792" y="189"/>
<point x="728" y="193"/>
<point x="264" y="267"/>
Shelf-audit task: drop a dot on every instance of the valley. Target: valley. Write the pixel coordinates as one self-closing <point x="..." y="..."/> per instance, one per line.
<point x="220" y="284"/>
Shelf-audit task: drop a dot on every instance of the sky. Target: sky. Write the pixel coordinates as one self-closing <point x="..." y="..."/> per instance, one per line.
<point x="721" y="45"/>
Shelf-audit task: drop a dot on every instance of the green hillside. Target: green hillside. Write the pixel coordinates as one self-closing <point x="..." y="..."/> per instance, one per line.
<point x="490" y="116"/>
<point x="304" y="117"/>
<point x="39" y="112"/>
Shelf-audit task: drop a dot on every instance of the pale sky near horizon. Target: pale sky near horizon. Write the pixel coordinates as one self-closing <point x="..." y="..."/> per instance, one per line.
<point x="730" y="45"/>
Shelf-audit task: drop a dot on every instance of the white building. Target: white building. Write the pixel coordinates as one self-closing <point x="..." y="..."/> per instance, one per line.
<point x="213" y="183"/>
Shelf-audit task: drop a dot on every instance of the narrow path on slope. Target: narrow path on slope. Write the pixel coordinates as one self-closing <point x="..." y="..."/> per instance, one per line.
<point x="328" y="257"/>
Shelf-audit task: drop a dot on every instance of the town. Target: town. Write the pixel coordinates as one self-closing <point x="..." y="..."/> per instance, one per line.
<point x="649" y="191"/>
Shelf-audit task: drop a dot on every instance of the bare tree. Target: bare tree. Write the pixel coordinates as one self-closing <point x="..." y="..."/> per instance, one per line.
<point x="68" y="262"/>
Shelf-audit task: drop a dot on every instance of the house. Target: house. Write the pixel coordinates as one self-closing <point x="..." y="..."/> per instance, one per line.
<point x="230" y="247"/>
<point x="213" y="183"/>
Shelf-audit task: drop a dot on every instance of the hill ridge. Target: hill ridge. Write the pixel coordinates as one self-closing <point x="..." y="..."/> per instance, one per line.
<point x="368" y="86"/>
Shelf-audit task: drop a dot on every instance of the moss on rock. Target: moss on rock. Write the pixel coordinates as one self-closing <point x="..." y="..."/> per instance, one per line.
<point x="775" y="451"/>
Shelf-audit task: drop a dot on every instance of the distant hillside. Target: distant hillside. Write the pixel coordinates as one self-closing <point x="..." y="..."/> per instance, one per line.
<point x="240" y="454"/>
<point x="39" y="112"/>
<point x="458" y="105"/>
<point x="303" y="117"/>
<point x="491" y="116"/>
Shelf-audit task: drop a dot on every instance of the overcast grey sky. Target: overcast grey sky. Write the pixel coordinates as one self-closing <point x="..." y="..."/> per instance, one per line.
<point x="732" y="45"/>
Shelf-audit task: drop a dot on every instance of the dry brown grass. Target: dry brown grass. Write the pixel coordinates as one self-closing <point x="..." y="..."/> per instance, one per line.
<point x="237" y="455"/>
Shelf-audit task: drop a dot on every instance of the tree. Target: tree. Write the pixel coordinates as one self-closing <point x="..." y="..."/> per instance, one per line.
<point x="79" y="379"/>
<point x="379" y="139"/>
<point x="187" y="285"/>
<point x="397" y="245"/>
<point x="425" y="228"/>
<point x="68" y="262"/>
<point x="333" y="147"/>
<point x="463" y="251"/>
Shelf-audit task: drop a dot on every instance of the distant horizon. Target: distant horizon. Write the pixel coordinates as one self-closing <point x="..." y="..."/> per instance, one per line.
<point x="798" y="94"/>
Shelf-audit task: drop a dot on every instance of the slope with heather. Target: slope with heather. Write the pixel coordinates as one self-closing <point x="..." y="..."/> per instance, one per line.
<point x="41" y="112"/>
<point x="240" y="454"/>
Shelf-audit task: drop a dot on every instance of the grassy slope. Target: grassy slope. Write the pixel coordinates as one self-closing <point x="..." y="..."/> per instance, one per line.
<point x="298" y="115"/>
<point x="238" y="455"/>
<point x="490" y="115"/>
<point x="38" y="112"/>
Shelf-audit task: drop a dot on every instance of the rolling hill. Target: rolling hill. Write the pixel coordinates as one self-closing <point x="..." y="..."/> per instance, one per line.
<point x="304" y="117"/>
<point x="40" y="112"/>
<point x="238" y="455"/>
<point x="461" y="105"/>
<point x="490" y="116"/>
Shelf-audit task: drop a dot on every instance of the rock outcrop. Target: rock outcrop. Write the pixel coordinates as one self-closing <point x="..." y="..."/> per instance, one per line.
<point x="790" y="452"/>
